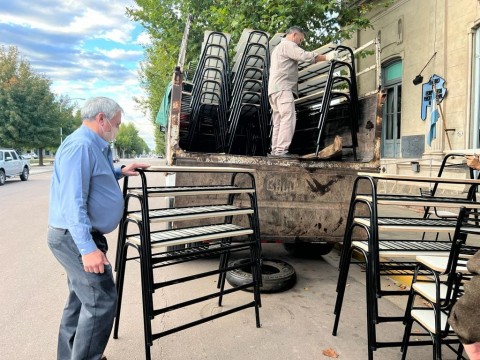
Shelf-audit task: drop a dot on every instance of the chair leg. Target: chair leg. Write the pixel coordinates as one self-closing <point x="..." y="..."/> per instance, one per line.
<point x="120" y="279"/>
<point x="147" y="300"/>
<point x="406" y="338"/>
<point x="341" y="290"/>
<point x="224" y="258"/>
<point x="460" y="352"/>
<point x="372" y="308"/>
<point x="256" y="275"/>
<point x="437" y="346"/>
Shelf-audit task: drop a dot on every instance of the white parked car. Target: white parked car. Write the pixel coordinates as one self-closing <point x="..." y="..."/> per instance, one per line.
<point x="12" y="164"/>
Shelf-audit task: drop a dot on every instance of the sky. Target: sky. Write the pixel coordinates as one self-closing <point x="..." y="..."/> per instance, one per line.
<point x="86" y="48"/>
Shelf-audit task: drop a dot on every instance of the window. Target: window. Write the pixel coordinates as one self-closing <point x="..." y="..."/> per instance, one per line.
<point x="392" y="110"/>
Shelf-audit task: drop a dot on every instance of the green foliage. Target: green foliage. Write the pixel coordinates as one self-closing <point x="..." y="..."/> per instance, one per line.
<point x="324" y="21"/>
<point x="30" y="116"/>
<point x="128" y="142"/>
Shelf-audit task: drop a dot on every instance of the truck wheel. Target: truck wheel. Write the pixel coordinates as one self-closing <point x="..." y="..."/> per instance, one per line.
<point x="2" y="177"/>
<point x="277" y="275"/>
<point x="308" y="250"/>
<point x="24" y="175"/>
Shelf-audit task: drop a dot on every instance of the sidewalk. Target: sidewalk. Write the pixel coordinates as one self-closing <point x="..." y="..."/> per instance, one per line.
<point x="37" y="169"/>
<point x="296" y="324"/>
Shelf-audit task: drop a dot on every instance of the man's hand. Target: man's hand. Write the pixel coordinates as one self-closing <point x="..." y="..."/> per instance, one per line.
<point x="95" y="262"/>
<point x="473" y="161"/>
<point x="129" y="170"/>
<point x="332" y="55"/>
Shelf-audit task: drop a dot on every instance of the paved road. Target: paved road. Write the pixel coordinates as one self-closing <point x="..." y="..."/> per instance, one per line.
<point x="295" y="324"/>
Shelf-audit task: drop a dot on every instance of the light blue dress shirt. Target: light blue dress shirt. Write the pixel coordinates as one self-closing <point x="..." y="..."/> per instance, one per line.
<point x="84" y="192"/>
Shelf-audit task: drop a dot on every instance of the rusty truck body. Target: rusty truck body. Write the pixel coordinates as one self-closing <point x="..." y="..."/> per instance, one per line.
<point x="300" y="200"/>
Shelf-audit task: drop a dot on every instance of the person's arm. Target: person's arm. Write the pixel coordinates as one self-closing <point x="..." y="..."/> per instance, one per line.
<point x="332" y="55"/>
<point x="129" y="170"/>
<point x="473" y="161"/>
<point x="295" y="52"/>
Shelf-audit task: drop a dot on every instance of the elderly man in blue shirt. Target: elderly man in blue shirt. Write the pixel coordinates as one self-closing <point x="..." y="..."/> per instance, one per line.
<point x="85" y="203"/>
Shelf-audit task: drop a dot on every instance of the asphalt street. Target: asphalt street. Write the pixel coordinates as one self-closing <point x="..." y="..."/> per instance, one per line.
<point x="296" y="324"/>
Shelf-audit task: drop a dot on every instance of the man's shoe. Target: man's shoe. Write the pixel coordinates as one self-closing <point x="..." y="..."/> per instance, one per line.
<point x="287" y="154"/>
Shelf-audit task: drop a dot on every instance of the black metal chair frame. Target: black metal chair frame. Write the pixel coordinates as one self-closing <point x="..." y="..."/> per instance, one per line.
<point x="374" y="267"/>
<point x="467" y="223"/>
<point x="250" y="64"/>
<point x="221" y="245"/>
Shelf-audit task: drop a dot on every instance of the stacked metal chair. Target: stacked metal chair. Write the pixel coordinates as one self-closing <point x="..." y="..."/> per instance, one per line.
<point x="385" y="252"/>
<point x="248" y="119"/>
<point x="210" y="96"/>
<point x="433" y="296"/>
<point x="166" y="235"/>
<point x="327" y="92"/>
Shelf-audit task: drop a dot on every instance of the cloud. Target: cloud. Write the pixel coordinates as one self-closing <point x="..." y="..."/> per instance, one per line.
<point x="121" y="54"/>
<point x="85" y="47"/>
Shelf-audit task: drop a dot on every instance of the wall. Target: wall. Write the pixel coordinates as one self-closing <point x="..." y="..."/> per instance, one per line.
<point x="414" y="30"/>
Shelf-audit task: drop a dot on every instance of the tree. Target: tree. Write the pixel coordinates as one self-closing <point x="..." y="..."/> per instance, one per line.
<point x="69" y="119"/>
<point x="128" y="141"/>
<point x="323" y="20"/>
<point x="28" y="112"/>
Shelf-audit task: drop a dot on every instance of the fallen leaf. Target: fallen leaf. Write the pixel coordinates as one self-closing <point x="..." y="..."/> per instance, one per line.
<point x="330" y="353"/>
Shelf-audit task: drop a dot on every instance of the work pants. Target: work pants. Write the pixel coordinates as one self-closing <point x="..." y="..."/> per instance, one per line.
<point x="283" y="120"/>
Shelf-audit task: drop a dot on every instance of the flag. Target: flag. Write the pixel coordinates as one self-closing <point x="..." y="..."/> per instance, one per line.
<point x="432" y="133"/>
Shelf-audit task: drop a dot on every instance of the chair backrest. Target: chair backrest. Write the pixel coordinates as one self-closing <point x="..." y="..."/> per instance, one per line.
<point x="468" y="226"/>
<point x="447" y="163"/>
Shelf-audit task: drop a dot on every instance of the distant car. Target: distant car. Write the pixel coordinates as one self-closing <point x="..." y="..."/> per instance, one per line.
<point x="12" y="164"/>
<point x="30" y="155"/>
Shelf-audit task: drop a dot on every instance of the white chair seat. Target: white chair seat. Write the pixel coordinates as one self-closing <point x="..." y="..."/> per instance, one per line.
<point x="429" y="290"/>
<point x="426" y="317"/>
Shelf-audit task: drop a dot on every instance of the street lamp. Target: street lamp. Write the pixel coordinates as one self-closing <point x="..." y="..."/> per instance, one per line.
<point x="66" y="101"/>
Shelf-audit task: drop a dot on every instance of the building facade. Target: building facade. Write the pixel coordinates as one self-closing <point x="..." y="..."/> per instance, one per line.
<point x="440" y="41"/>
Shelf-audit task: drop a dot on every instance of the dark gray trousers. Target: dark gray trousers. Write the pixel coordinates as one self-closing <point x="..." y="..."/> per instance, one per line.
<point x="90" y="309"/>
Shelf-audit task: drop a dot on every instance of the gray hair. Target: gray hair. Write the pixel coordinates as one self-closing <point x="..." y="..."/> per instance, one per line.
<point x="96" y="105"/>
<point x="295" y="29"/>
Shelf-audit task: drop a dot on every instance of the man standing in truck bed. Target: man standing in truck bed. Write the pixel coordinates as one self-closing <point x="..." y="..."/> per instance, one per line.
<point x="282" y="84"/>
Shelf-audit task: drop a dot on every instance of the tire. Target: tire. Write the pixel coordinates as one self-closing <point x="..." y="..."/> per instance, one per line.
<point x="25" y="173"/>
<point x="277" y="275"/>
<point x="2" y="177"/>
<point x="308" y="250"/>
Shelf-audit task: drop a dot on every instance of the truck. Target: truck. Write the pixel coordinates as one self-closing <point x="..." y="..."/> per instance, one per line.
<point x="12" y="164"/>
<point x="303" y="202"/>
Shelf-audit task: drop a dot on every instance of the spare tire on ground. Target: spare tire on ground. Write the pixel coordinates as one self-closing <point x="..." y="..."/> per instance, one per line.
<point x="277" y="275"/>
